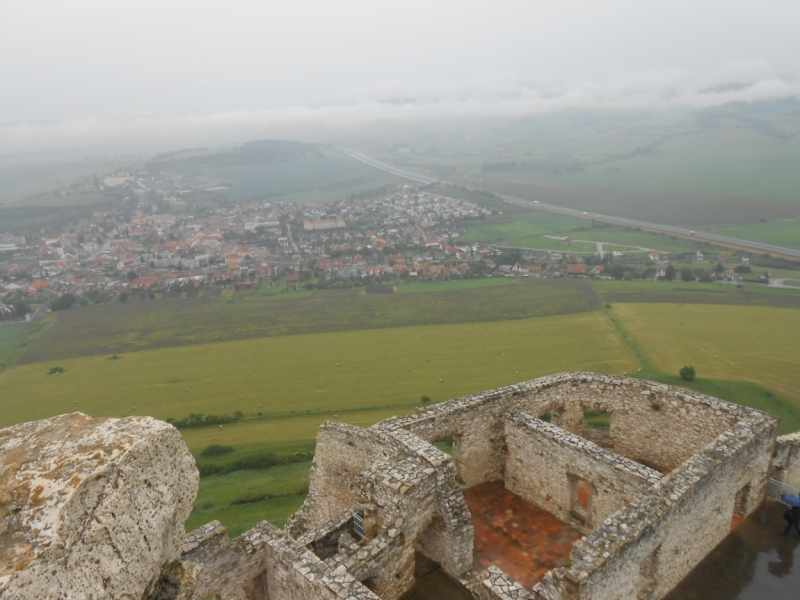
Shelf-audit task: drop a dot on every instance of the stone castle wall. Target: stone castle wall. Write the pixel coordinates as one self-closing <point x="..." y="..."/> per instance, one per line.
<point x="650" y="422"/>
<point x="645" y="549"/>
<point x="786" y="465"/>
<point x="343" y="453"/>
<point x="545" y="463"/>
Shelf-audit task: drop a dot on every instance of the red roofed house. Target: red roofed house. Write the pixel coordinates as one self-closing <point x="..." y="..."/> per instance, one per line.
<point x="573" y="269"/>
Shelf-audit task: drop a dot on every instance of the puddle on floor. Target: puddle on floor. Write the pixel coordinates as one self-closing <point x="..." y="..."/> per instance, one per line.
<point x="752" y="563"/>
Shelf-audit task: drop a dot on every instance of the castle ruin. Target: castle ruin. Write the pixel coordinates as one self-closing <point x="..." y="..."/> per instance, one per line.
<point x="94" y="508"/>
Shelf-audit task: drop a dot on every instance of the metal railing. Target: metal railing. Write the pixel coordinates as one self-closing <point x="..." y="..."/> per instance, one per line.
<point x="776" y="489"/>
<point x="358" y="524"/>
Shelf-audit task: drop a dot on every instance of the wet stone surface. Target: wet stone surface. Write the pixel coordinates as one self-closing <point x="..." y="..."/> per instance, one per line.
<point x="752" y="563"/>
<point x="522" y="540"/>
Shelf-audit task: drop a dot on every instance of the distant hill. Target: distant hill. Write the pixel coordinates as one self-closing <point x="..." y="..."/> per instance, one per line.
<point x="256" y="152"/>
<point x="778" y="118"/>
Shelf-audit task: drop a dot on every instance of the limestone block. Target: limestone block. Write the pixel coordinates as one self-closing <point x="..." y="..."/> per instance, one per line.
<point x="91" y="508"/>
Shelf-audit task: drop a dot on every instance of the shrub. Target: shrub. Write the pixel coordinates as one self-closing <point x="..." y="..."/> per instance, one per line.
<point x="200" y="420"/>
<point x="55" y="370"/>
<point x="63" y="302"/>
<point x="216" y="450"/>
<point x="254" y="461"/>
<point x="252" y="497"/>
<point x="114" y="357"/>
<point x="687" y="373"/>
<point x="425" y="399"/>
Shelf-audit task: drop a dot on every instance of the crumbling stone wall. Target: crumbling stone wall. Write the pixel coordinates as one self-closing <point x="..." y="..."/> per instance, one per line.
<point x="650" y="422"/>
<point x="786" y="464"/>
<point x="645" y="549"/>
<point x="408" y="493"/>
<point x="545" y="464"/>
<point x="343" y="453"/>
<point x="91" y="508"/>
<point x="410" y="497"/>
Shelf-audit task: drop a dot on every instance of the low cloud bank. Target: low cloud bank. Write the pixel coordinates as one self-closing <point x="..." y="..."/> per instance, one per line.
<point x="391" y="103"/>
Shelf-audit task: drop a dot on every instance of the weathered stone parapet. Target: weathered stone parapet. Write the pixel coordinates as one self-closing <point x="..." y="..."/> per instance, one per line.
<point x="91" y="508"/>
<point x="215" y="565"/>
<point x="501" y="587"/>
<point x="584" y="446"/>
<point x="344" y="456"/>
<point x="786" y="464"/>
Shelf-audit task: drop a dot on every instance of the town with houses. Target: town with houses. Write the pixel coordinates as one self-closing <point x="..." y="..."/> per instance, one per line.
<point x="152" y="245"/>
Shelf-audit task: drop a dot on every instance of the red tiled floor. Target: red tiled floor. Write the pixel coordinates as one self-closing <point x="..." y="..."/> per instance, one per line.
<point x="522" y="540"/>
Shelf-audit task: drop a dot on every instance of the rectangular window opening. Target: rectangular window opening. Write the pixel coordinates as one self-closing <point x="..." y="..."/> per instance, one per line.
<point x="358" y="525"/>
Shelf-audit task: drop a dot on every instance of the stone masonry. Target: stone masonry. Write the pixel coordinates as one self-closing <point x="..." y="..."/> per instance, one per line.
<point x="94" y="508"/>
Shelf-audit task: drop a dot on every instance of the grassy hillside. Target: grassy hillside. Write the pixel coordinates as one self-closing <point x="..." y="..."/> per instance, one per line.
<point x="752" y="344"/>
<point x="314" y="374"/>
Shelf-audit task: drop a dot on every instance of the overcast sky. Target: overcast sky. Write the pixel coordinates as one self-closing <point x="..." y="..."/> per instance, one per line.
<point x="93" y="74"/>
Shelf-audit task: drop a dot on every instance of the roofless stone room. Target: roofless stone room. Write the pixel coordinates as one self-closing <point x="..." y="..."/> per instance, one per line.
<point x="571" y="487"/>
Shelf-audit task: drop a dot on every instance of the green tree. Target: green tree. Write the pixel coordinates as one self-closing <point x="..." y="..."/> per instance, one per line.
<point x="669" y="273"/>
<point x="617" y="272"/>
<point x="63" y="302"/>
<point x="123" y="297"/>
<point x="686" y="274"/>
<point x="687" y="373"/>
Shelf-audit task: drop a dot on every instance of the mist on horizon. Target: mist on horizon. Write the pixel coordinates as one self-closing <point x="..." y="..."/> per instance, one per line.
<point x="139" y="76"/>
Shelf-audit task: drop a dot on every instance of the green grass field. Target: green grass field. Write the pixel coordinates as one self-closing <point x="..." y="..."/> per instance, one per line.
<point x="307" y="374"/>
<point x="15" y="339"/>
<point x="529" y="224"/>
<point x="287" y="484"/>
<point x="358" y="377"/>
<point x="730" y="343"/>
<point x="458" y="284"/>
<point x="527" y="230"/>
<point x="781" y="233"/>
<point x="142" y="325"/>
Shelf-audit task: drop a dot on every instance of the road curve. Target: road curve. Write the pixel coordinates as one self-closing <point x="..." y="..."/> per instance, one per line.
<point x="668" y="229"/>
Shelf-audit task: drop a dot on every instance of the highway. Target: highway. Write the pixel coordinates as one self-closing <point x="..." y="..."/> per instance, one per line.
<point x="668" y="229"/>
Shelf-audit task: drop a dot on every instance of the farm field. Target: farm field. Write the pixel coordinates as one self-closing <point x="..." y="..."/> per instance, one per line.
<point x="781" y="233"/>
<point x="314" y="374"/>
<point x="671" y="207"/>
<point x="307" y="180"/>
<point x="141" y="325"/>
<point x="528" y="230"/>
<point x="14" y="339"/>
<point x="753" y="344"/>
<point x="678" y="292"/>
<point x="457" y="284"/>
<point x="524" y="225"/>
